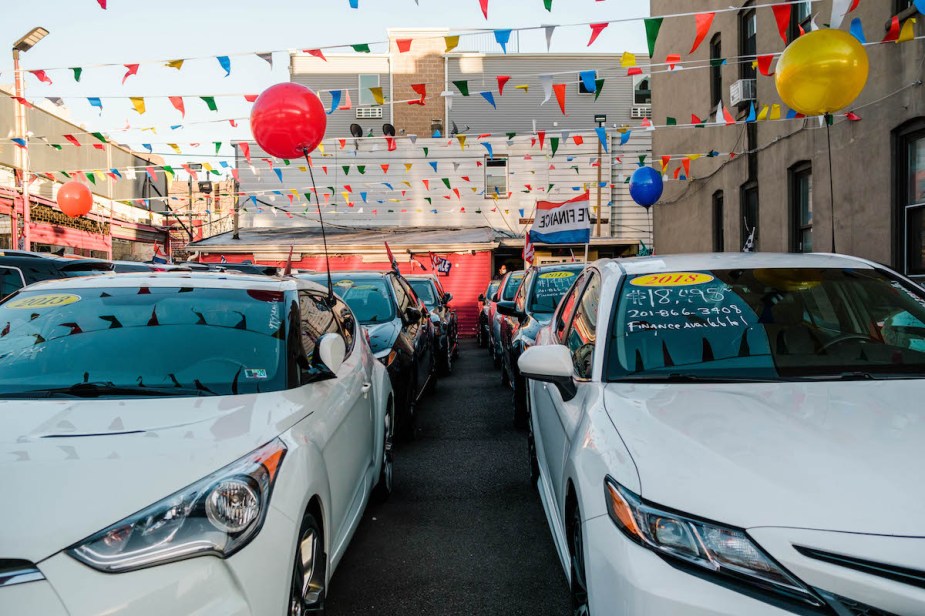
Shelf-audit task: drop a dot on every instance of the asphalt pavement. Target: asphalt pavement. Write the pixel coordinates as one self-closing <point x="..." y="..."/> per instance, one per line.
<point x="464" y="531"/>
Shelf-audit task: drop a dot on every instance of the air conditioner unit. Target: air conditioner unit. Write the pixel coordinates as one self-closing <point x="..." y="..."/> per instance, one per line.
<point x="742" y="91"/>
<point x="638" y="113"/>
<point x="369" y="113"/>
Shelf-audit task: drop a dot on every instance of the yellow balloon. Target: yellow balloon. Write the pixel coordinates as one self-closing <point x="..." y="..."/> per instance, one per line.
<point x="821" y="72"/>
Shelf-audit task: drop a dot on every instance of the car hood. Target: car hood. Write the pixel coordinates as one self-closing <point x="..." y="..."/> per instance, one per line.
<point x="72" y="467"/>
<point x="840" y="456"/>
<point x="382" y="335"/>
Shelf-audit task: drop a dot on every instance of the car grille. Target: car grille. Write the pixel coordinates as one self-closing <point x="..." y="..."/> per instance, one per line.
<point x="844" y="606"/>
<point x="15" y="571"/>
<point x="904" y="575"/>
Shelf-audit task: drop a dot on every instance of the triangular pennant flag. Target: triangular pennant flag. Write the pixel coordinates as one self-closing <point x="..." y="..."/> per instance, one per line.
<point x="550" y="30"/>
<point x="433" y="165"/>
<point x="483" y="4"/>
<point x="598" y="88"/>
<point x="177" y="64"/>
<point x="44" y="78"/>
<point x="764" y="64"/>
<point x="266" y="57"/>
<point x="554" y="144"/>
<point x="225" y="63"/>
<point x="138" y="103"/>
<point x="452" y="42"/>
<point x="588" y="80"/>
<point x="559" y="89"/>
<point x="421" y="90"/>
<point x="908" y="31"/>
<point x="546" y="81"/>
<point x="653" y="25"/>
<point x="317" y="53"/>
<point x="782" y="15"/>
<point x="95" y="102"/>
<point x="488" y="96"/>
<point x="752" y="114"/>
<point x="502" y="80"/>
<point x="177" y="102"/>
<point x="491" y="151"/>
<point x="210" y="102"/>
<point x="404" y="45"/>
<point x="462" y="86"/>
<point x="347" y="104"/>
<point x="246" y="149"/>
<point x="462" y="141"/>
<point x="335" y="103"/>
<point x="132" y="70"/>
<point x="503" y="37"/>
<point x="702" y="21"/>
<point x="77" y="71"/>
<point x="763" y="115"/>
<point x="596" y="30"/>
<point x="377" y="95"/>
<point x="857" y="30"/>
<point x="361" y="48"/>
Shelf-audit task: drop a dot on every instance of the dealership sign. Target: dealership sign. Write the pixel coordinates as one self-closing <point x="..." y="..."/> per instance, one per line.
<point x="562" y="223"/>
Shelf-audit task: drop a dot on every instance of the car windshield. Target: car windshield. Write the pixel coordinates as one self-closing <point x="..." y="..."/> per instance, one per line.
<point x="134" y="341"/>
<point x="492" y="289"/>
<point x="550" y="286"/>
<point x="513" y="283"/>
<point x="369" y="298"/>
<point x="769" y="323"/>
<point x="424" y="289"/>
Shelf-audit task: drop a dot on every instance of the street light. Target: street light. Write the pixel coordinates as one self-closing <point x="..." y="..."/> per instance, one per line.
<point x="24" y="44"/>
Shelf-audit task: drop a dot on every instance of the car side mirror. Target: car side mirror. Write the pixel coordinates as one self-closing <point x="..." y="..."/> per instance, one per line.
<point x="413" y="315"/>
<point x="331" y="351"/>
<point x="447" y="298"/>
<point x="550" y="364"/>
<point x="509" y="309"/>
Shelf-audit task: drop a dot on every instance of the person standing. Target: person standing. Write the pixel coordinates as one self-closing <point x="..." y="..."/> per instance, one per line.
<point x="501" y="272"/>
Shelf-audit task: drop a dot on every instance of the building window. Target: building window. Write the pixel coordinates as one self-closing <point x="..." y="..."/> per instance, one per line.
<point x="642" y="93"/>
<point x="901" y="5"/>
<point x="910" y="192"/>
<point x="719" y="235"/>
<point x="366" y="82"/>
<point x="581" y="85"/>
<point x="496" y="178"/>
<point x="750" y="214"/>
<point x="801" y="207"/>
<point x="801" y="19"/>
<point x="748" y="43"/>
<point x="716" y="71"/>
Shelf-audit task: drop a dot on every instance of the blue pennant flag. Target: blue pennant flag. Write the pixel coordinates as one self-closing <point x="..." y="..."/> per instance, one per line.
<point x="503" y="37"/>
<point x="490" y="98"/>
<point x="625" y="137"/>
<point x="148" y="147"/>
<point x="491" y="151"/>
<point x="96" y="102"/>
<point x="335" y="101"/>
<point x="589" y="80"/>
<point x="434" y="165"/>
<point x="602" y="137"/>
<point x="752" y="114"/>
<point x="279" y="174"/>
<point x="363" y="196"/>
<point x="857" y="29"/>
<point x="389" y="186"/>
<point x="225" y="63"/>
<point x="116" y="172"/>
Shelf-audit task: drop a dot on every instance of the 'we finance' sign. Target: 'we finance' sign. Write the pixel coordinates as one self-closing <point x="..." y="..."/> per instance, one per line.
<point x="562" y="223"/>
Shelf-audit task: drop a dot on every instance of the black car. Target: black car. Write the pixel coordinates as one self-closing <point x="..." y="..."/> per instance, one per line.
<point x="248" y="268"/>
<point x="531" y="309"/>
<point x="482" y="332"/>
<point x="446" y="324"/>
<point x="399" y="335"/>
<point x="19" y="268"/>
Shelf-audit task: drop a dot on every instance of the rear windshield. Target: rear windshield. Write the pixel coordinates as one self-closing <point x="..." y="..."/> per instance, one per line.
<point x="492" y="289"/>
<point x="549" y="287"/>
<point x="369" y="298"/>
<point x="154" y="341"/>
<point x="513" y="283"/>
<point x="424" y="289"/>
<point x="767" y="324"/>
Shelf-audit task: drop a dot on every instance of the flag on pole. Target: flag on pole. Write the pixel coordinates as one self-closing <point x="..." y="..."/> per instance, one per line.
<point x="528" y="250"/>
<point x="224" y="260"/>
<point x="388" y="251"/>
<point x="562" y="223"/>
<point x="159" y="255"/>
<point x="750" y="242"/>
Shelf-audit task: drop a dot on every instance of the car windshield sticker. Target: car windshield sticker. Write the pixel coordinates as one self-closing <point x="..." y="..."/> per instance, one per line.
<point x="255" y="373"/>
<point x="37" y="302"/>
<point x="672" y="279"/>
<point x="344" y="283"/>
<point x="555" y="275"/>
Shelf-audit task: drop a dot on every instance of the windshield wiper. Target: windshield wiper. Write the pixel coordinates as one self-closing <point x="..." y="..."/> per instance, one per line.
<point x="96" y="390"/>
<point x="676" y="377"/>
<point x="860" y="375"/>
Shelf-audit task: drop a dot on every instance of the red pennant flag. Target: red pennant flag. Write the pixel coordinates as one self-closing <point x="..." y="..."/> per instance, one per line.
<point x="633" y="70"/>
<point x="390" y="143"/>
<point x="665" y="161"/>
<point x="484" y="136"/>
<point x="250" y="98"/>
<point x="703" y="22"/>
<point x="151" y="174"/>
<point x="102" y="4"/>
<point x="404" y="45"/>
<point x="484" y="5"/>
<point x="41" y="76"/>
<point x="596" y="30"/>
<point x="677" y="172"/>
<point x="559" y="89"/>
<point x="315" y="52"/>
<point x="325" y="169"/>
<point x="764" y="64"/>
<point x="893" y="34"/>
<point x="347" y="188"/>
<point x="246" y="148"/>
<point x="854" y="5"/>
<point x="853" y="116"/>
<point x="672" y="60"/>
<point x="426" y="184"/>
<point x="233" y="122"/>
<point x="466" y="178"/>
<point x="385" y="169"/>
<point x="343" y="143"/>
<point x="502" y="80"/>
<point x="578" y="139"/>
<point x="782" y="15"/>
<point x="235" y="175"/>
<point x="542" y="135"/>
<point x="177" y="102"/>
<point x="190" y="171"/>
<point x="421" y="90"/>
<point x="695" y="119"/>
<point x="132" y="70"/>
<point x="686" y="163"/>
<point x="478" y="163"/>
<point x="728" y="116"/>
<point x="456" y="190"/>
<point x="23" y="102"/>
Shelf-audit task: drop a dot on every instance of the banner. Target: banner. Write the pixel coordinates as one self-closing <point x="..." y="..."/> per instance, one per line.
<point x="562" y="223"/>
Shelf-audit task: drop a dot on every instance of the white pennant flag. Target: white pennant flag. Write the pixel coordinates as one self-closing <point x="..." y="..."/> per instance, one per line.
<point x="719" y="114"/>
<point x="839" y="10"/>
<point x="549" y="32"/>
<point x="130" y="174"/>
<point x="546" y="80"/>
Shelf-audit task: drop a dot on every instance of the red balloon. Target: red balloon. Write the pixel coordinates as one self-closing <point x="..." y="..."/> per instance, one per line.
<point x="75" y="199"/>
<point x="288" y="120"/>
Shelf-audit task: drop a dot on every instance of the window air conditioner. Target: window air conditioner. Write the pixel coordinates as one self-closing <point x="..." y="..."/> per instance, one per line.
<point x="637" y="113"/>
<point x="742" y="91"/>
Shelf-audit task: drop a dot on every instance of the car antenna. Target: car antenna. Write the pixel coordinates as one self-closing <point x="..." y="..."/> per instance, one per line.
<point x="324" y="237"/>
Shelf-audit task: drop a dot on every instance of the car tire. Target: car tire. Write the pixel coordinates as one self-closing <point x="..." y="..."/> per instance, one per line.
<point x="383" y="488"/>
<point x="579" y="585"/>
<point x="520" y="403"/>
<point x="309" y="571"/>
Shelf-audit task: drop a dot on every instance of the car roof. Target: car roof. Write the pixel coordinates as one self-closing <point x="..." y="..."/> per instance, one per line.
<point x="22" y="256"/>
<point x="553" y="267"/>
<point x="358" y="274"/>
<point x="730" y="260"/>
<point x="210" y="280"/>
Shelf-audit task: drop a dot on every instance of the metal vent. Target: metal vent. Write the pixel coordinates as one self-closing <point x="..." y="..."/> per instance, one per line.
<point x="369" y="113"/>
<point x="637" y="113"/>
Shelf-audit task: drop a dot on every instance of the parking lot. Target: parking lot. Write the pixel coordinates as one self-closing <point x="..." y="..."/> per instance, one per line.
<point x="463" y="531"/>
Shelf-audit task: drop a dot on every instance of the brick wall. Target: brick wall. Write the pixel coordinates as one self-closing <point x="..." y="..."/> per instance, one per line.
<point x="423" y="64"/>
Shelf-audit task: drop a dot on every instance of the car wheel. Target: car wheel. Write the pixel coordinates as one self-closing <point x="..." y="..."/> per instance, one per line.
<point x="309" y="570"/>
<point x="520" y="403"/>
<point x="384" y="486"/>
<point x="579" y="586"/>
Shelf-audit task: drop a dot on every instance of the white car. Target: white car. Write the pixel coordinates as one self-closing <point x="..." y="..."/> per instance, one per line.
<point x="735" y="434"/>
<point x="183" y="444"/>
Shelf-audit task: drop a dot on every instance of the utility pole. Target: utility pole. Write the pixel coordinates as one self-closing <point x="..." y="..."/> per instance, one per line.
<point x="194" y="167"/>
<point x="237" y="201"/>
<point x="601" y="121"/>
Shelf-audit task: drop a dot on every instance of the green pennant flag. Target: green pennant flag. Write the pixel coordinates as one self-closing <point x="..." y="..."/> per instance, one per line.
<point x="652" y="27"/>
<point x="549" y="188"/>
<point x="361" y="48"/>
<point x="429" y="200"/>
<point x="56" y="146"/>
<point x="462" y="86"/>
<point x="218" y="146"/>
<point x="575" y="167"/>
<point x="91" y="177"/>
<point x="554" y="143"/>
<point x="100" y="137"/>
<point x="671" y="121"/>
<point x="286" y="161"/>
<point x="168" y="169"/>
<point x="599" y="83"/>
<point x="548" y="5"/>
<point x="714" y="62"/>
<point x="626" y="181"/>
<point x="426" y="152"/>
<point x="308" y="197"/>
<point x="77" y="72"/>
<point x="210" y="101"/>
<point x="642" y="159"/>
<point x="65" y="174"/>
<point x="346" y="169"/>
<point x="215" y="172"/>
<point x="446" y="182"/>
<point x="511" y="135"/>
<point x="361" y="169"/>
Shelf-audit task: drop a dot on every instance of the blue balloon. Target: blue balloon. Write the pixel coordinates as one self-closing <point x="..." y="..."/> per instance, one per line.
<point x="646" y="186"/>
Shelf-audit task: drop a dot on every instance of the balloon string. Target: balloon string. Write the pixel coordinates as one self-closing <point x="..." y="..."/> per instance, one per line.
<point x="828" y="138"/>
<point x="324" y="238"/>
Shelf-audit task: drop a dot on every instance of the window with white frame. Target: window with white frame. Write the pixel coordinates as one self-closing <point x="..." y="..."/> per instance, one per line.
<point x="366" y="82"/>
<point x="496" y="178"/>
<point x="642" y="91"/>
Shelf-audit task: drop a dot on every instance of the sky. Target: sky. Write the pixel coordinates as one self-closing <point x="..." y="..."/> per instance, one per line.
<point x="129" y="31"/>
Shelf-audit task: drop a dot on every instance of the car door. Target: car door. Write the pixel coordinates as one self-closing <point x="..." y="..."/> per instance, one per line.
<point x="510" y="325"/>
<point x="346" y="416"/>
<point x="420" y="332"/>
<point x="11" y="280"/>
<point x="547" y="412"/>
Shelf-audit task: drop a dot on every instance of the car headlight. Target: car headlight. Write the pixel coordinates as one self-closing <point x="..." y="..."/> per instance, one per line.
<point x="723" y="550"/>
<point x="216" y="516"/>
<point x="387" y="357"/>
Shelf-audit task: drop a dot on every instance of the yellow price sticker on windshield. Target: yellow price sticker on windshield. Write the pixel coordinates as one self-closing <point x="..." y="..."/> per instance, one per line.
<point x="37" y="302"/>
<point x="672" y="279"/>
<point x="557" y="275"/>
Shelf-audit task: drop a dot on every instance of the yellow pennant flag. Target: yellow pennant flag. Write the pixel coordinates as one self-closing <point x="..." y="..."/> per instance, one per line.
<point x="207" y="166"/>
<point x="177" y="64"/>
<point x="321" y="148"/>
<point x="525" y="87"/>
<point x="377" y="94"/>
<point x="462" y="141"/>
<point x="408" y="166"/>
<point x="627" y="60"/>
<point x="346" y="195"/>
<point x="764" y="113"/>
<point x="694" y="156"/>
<point x="303" y="168"/>
<point x="175" y="148"/>
<point x="406" y="183"/>
<point x="451" y="42"/>
<point x="908" y="31"/>
<point x="152" y="129"/>
<point x="139" y="103"/>
<point x="475" y="189"/>
<point x="394" y="200"/>
<point x="775" y="112"/>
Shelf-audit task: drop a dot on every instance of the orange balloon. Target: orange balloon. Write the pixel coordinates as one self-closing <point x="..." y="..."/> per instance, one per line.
<point x="75" y="199"/>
